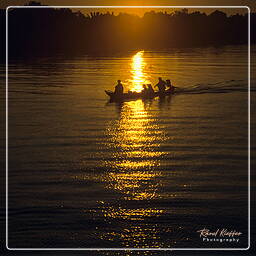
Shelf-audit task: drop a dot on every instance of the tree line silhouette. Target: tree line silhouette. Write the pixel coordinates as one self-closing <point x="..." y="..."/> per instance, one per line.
<point x="47" y="31"/>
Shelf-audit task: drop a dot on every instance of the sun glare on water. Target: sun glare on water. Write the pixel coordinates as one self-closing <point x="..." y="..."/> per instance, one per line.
<point x="137" y="70"/>
<point x="133" y="171"/>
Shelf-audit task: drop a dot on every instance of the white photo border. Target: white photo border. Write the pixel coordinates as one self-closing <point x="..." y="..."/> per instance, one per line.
<point x="249" y="132"/>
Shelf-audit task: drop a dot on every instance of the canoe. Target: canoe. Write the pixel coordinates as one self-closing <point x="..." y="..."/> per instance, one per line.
<point x="136" y="95"/>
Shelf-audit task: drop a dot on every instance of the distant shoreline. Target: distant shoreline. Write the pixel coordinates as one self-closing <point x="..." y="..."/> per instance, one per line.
<point x="62" y="55"/>
<point x="46" y="32"/>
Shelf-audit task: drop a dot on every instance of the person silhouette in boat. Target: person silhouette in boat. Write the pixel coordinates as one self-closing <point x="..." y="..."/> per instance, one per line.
<point x="119" y="89"/>
<point x="169" y="85"/>
<point x="144" y="91"/>
<point x="161" y="85"/>
<point x="150" y="90"/>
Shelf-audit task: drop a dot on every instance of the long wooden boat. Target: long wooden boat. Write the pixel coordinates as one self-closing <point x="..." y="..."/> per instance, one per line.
<point x="137" y="95"/>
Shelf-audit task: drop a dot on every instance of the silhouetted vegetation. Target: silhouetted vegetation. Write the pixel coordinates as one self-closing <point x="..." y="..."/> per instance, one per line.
<point x="49" y="31"/>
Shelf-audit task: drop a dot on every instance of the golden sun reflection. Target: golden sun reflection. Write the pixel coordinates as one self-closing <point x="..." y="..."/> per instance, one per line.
<point x="136" y="140"/>
<point x="138" y="76"/>
<point x="133" y="167"/>
<point x="134" y="235"/>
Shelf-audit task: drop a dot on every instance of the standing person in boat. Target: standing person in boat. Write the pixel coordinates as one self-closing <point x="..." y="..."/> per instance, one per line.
<point x="169" y="85"/>
<point x="119" y="89"/>
<point x="161" y="85"/>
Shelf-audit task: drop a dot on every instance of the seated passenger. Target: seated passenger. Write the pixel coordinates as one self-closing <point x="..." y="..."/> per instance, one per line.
<point x="160" y="85"/>
<point x="150" y="89"/>
<point x="119" y="89"/>
<point x="145" y="90"/>
<point x="169" y="85"/>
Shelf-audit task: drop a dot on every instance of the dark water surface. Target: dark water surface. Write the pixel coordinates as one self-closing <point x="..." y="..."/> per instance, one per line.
<point x="87" y="173"/>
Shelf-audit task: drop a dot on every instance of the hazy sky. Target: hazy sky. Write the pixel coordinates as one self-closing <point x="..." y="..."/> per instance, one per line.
<point x="250" y="3"/>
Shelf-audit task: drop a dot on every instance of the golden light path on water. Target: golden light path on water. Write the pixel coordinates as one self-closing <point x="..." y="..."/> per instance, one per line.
<point x="134" y="140"/>
<point x="138" y="76"/>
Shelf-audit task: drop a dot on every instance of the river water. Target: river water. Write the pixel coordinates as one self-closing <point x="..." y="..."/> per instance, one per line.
<point x="86" y="173"/>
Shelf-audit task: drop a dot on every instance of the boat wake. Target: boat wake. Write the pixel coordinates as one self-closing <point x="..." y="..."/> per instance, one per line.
<point x="219" y="87"/>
